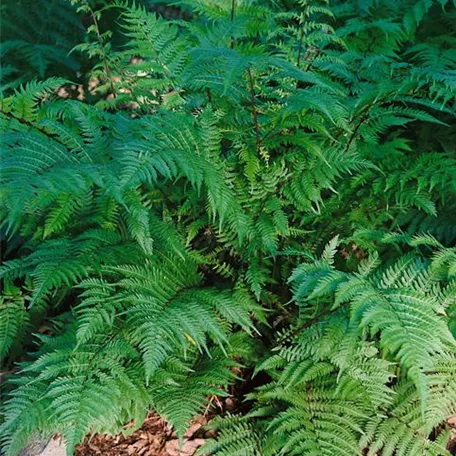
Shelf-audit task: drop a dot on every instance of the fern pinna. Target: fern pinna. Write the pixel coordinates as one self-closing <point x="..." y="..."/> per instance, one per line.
<point x="264" y="188"/>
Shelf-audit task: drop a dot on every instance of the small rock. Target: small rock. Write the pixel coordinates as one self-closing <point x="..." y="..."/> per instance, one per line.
<point x="229" y="403"/>
<point x="54" y="448"/>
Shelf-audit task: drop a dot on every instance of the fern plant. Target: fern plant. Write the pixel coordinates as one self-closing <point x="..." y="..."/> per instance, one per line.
<point x="166" y="229"/>
<point x="366" y="368"/>
<point x="36" y="38"/>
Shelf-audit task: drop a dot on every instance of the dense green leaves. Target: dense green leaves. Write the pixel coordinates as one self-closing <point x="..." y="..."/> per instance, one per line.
<point x="259" y="184"/>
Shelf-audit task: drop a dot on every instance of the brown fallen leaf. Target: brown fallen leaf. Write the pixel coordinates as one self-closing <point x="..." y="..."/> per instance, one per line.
<point x="188" y="448"/>
<point x="191" y="431"/>
<point x="94" y="448"/>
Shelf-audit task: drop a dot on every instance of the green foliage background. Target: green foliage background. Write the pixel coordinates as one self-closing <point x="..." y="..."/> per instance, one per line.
<point x="197" y="189"/>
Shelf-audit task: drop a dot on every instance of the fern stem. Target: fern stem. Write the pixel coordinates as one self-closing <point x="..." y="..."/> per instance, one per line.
<point x="314" y="320"/>
<point x="232" y="39"/>
<point x="103" y="51"/>
<point x="301" y="36"/>
<point x="254" y="110"/>
<point x="356" y="130"/>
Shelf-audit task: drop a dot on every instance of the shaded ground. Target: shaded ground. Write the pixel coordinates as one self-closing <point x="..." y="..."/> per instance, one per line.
<point x="154" y="438"/>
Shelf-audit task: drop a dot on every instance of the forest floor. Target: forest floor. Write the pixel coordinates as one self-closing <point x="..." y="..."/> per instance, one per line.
<point x="153" y="438"/>
<point x="156" y="438"/>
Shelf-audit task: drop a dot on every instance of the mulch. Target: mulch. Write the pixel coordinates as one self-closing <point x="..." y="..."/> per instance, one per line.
<point x="157" y="438"/>
<point x="154" y="438"/>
